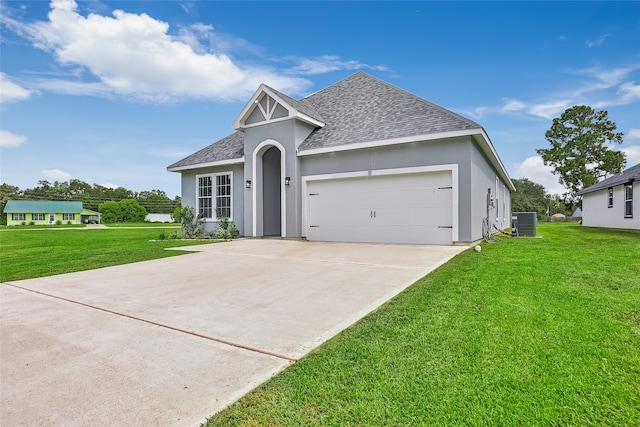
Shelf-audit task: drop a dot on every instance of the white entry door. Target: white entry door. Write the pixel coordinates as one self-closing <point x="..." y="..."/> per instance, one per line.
<point x="403" y="208"/>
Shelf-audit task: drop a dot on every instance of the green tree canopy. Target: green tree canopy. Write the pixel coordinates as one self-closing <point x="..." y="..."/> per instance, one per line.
<point x="529" y="197"/>
<point x="128" y="210"/>
<point x="579" y="153"/>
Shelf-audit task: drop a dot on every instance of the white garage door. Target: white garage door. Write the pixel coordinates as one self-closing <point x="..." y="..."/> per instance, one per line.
<point x="407" y="208"/>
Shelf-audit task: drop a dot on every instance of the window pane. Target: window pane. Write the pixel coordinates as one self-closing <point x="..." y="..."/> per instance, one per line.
<point x="223" y="195"/>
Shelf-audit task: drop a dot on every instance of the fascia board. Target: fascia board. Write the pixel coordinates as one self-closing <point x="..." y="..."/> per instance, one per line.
<point x="207" y="165"/>
<point x="487" y="147"/>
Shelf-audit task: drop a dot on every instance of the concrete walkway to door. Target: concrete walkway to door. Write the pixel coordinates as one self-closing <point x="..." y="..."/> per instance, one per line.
<point x="170" y="342"/>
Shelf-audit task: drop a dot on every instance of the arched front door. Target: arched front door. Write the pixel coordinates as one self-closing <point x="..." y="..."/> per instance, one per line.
<point x="271" y="193"/>
<point x="268" y="192"/>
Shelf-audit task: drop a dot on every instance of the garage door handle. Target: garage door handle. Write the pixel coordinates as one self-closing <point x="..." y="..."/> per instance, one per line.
<point x="314" y="226"/>
<point x="372" y="214"/>
<point x="445" y="188"/>
<point x="445" y="226"/>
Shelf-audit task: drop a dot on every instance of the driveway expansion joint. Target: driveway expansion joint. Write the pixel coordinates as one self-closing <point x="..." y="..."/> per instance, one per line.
<point x="151" y="322"/>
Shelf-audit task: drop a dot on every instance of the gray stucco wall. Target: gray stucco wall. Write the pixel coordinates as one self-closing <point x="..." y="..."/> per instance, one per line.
<point x="289" y="134"/>
<point x="475" y="175"/>
<point x="483" y="177"/>
<point x="429" y="153"/>
<point x="189" y="190"/>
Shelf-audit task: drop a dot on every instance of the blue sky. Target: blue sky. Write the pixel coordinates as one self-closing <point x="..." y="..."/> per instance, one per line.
<point x="112" y="92"/>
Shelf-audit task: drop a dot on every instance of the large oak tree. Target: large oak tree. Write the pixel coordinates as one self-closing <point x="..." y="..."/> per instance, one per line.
<point x="579" y="151"/>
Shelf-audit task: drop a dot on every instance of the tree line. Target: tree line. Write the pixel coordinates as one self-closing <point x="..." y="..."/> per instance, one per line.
<point x="91" y="196"/>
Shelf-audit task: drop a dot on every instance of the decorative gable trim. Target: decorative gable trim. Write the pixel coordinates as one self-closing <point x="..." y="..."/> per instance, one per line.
<point x="266" y="106"/>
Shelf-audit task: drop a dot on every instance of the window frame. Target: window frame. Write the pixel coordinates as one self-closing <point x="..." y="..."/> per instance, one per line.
<point x="18" y="217"/>
<point x="214" y="197"/>
<point x="628" y="200"/>
<point x="37" y="217"/>
<point x="66" y="216"/>
<point x="610" y="197"/>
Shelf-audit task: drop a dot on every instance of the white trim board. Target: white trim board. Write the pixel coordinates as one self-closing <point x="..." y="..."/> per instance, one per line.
<point x="208" y="164"/>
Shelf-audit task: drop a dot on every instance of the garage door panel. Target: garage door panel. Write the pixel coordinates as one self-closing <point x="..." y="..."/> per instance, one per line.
<point x="367" y="234"/>
<point x="403" y="208"/>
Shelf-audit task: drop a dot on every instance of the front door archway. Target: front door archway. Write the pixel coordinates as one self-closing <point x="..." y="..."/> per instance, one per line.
<point x="271" y="197"/>
<point x="268" y="190"/>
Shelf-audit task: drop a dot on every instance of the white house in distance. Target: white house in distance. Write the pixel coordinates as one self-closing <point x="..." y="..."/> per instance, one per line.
<point x="610" y="203"/>
<point x="359" y="161"/>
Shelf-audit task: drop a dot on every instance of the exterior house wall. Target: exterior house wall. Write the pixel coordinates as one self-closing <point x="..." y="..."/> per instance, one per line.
<point x="475" y="176"/>
<point x="597" y="213"/>
<point x="483" y="177"/>
<point x="189" y="192"/>
<point x="475" y="173"/>
<point x="47" y="221"/>
<point x="285" y="135"/>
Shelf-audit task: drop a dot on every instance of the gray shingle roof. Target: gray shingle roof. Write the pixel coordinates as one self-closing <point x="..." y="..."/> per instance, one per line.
<point x="627" y="175"/>
<point x="360" y="108"/>
<point x="228" y="148"/>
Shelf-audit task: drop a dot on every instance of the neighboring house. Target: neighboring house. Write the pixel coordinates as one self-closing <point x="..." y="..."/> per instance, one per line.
<point x="359" y="161"/>
<point x="610" y="203"/>
<point x="46" y="212"/>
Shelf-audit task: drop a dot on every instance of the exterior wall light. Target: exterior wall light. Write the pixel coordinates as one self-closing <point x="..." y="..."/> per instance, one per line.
<point x="287" y="180"/>
<point x="248" y="184"/>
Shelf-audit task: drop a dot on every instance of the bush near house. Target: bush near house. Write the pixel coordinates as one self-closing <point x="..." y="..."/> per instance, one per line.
<point x="128" y="210"/>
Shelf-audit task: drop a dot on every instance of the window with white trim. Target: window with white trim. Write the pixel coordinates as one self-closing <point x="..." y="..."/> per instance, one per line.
<point x="17" y="217"/>
<point x="68" y="216"/>
<point x="628" y="201"/>
<point x="214" y="195"/>
<point x="610" y="197"/>
<point x="37" y="217"/>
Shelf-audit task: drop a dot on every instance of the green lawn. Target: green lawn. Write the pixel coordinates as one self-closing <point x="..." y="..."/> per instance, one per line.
<point x="529" y="332"/>
<point x="26" y="253"/>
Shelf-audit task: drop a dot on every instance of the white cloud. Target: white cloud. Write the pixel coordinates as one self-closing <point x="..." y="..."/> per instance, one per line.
<point x="57" y="175"/>
<point x="8" y="139"/>
<point x="633" y="134"/>
<point x="329" y="63"/>
<point x="629" y="92"/>
<point x="513" y="105"/>
<point x="534" y="170"/>
<point x="10" y="91"/>
<point x="110" y="185"/>
<point x="633" y="154"/>
<point x="595" y="88"/>
<point x="597" y="42"/>
<point x="134" y="55"/>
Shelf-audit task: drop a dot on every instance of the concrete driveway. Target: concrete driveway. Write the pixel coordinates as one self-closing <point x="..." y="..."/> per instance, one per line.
<point x="173" y="341"/>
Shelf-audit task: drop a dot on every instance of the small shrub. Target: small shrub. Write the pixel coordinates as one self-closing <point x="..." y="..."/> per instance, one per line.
<point x="162" y="235"/>
<point x="32" y="223"/>
<point x="68" y="222"/>
<point x="173" y="235"/>
<point x="59" y="222"/>
<point x="221" y="233"/>
<point x="23" y="223"/>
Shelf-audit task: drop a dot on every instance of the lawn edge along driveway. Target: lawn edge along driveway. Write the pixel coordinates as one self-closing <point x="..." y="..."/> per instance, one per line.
<point x="172" y="341"/>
